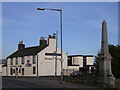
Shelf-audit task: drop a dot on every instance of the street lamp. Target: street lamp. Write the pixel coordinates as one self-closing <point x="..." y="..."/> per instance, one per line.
<point x="60" y="35"/>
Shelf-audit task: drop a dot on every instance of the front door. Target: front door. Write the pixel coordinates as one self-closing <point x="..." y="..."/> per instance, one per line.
<point x="22" y="71"/>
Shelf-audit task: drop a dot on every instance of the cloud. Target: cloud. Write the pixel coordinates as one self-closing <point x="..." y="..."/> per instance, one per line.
<point x="7" y="21"/>
<point x="19" y="22"/>
<point x="21" y="31"/>
<point x="93" y="23"/>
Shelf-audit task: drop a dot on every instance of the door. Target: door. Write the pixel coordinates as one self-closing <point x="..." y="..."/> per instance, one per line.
<point x="22" y="71"/>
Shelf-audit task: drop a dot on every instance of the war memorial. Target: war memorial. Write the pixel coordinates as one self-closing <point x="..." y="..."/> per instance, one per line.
<point x="105" y="77"/>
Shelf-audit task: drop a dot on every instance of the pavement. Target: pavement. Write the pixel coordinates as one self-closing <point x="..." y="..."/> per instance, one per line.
<point x="42" y="82"/>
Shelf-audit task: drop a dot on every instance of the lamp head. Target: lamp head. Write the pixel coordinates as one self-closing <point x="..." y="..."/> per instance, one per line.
<point x="40" y="8"/>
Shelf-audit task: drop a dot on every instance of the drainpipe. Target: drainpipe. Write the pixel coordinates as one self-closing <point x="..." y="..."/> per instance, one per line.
<point x="7" y="67"/>
<point x="37" y="65"/>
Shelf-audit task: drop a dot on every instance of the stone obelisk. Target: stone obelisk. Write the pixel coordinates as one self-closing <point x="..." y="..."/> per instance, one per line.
<point x="105" y="73"/>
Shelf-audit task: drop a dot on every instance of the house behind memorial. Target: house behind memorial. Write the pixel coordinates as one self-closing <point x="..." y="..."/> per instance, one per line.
<point x="37" y="60"/>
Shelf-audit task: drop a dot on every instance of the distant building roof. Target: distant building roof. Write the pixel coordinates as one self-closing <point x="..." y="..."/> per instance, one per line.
<point x="27" y="51"/>
<point x="2" y="61"/>
<point x="80" y="55"/>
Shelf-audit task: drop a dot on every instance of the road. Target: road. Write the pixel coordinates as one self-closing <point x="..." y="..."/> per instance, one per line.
<point x="41" y="82"/>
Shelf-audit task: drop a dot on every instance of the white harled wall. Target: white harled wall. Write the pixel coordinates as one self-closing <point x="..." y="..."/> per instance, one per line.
<point x="78" y="60"/>
<point x="28" y="71"/>
<point x="90" y="60"/>
<point x="47" y="66"/>
<point x="0" y="69"/>
<point x="3" y="71"/>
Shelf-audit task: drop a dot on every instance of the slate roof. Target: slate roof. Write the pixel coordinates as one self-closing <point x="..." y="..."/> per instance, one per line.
<point x="27" y="51"/>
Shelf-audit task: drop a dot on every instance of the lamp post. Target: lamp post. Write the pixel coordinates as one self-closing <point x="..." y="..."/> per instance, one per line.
<point x="55" y="52"/>
<point x="60" y="36"/>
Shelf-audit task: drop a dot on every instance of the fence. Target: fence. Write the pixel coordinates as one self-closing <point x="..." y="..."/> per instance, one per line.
<point x="67" y="72"/>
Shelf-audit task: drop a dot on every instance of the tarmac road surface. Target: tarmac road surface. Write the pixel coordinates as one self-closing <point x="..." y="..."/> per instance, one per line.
<point x="42" y="82"/>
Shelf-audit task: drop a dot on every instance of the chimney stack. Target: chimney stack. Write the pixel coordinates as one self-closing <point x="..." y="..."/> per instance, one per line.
<point x="52" y="39"/>
<point x="21" y="45"/>
<point x="42" y="41"/>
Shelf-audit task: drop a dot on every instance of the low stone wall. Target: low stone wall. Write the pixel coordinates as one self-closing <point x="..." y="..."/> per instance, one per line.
<point x="117" y="83"/>
<point x="67" y="72"/>
<point x="0" y="73"/>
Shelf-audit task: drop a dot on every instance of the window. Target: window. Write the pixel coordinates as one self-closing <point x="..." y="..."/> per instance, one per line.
<point x="16" y="60"/>
<point x="11" y="61"/>
<point x="11" y="71"/>
<point x="34" y="59"/>
<point x="84" y="61"/>
<point x="19" y="70"/>
<point x="34" y="70"/>
<point x="69" y="61"/>
<point x="22" y="71"/>
<point x="23" y="60"/>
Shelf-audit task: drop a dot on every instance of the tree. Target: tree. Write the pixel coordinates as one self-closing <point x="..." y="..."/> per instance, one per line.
<point x="96" y="64"/>
<point x="115" y="62"/>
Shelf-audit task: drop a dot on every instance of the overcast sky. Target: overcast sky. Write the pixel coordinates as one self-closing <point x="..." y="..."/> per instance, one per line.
<point x="82" y="25"/>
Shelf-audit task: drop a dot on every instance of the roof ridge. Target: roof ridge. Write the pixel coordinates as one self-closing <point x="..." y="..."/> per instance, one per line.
<point x="27" y="51"/>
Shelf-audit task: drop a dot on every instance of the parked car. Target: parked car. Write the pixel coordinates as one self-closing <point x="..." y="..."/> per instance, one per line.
<point x="76" y="74"/>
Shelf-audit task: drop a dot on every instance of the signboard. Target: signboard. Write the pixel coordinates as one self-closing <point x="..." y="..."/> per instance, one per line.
<point x="52" y="56"/>
<point x="61" y="60"/>
<point x="49" y="58"/>
<point x="28" y="64"/>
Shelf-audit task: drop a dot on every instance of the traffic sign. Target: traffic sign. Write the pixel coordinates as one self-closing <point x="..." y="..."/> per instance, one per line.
<point x="61" y="60"/>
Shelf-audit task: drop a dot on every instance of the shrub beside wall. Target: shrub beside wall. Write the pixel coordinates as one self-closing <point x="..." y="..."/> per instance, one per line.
<point x="117" y="83"/>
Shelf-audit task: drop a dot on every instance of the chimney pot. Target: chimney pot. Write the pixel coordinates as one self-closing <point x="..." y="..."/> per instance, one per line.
<point x="20" y="42"/>
<point x="42" y="38"/>
<point x="49" y="36"/>
<point x="54" y="35"/>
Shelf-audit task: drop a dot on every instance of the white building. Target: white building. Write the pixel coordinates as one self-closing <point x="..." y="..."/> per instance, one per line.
<point x="0" y="69"/>
<point x="37" y="60"/>
<point x="80" y="63"/>
<point x="41" y="60"/>
<point x="3" y="67"/>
